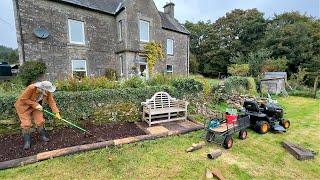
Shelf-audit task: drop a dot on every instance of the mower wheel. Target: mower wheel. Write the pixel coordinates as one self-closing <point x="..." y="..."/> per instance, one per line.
<point x="228" y="142"/>
<point x="262" y="127"/>
<point x="285" y="124"/>
<point x="243" y="134"/>
<point x="209" y="136"/>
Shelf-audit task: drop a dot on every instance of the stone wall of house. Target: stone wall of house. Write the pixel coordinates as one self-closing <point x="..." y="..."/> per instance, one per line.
<point x="102" y="48"/>
<point x="56" y="51"/>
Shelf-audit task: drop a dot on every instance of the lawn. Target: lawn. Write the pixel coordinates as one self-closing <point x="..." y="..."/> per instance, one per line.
<point x="258" y="157"/>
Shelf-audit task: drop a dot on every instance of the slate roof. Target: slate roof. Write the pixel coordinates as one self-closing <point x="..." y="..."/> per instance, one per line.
<point x="113" y="6"/>
<point x="107" y="6"/>
<point x="172" y="24"/>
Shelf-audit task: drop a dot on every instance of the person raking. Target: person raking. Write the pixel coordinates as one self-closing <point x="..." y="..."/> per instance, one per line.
<point x="29" y="106"/>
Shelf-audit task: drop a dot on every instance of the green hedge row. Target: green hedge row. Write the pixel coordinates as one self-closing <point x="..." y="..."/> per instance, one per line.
<point x="83" y="105"/>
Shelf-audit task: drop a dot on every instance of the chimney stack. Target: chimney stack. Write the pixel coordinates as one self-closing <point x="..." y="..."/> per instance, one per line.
<point x="169" y="9"/>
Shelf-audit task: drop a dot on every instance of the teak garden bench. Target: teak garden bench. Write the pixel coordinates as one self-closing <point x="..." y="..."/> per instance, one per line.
<point x="163" y="108"/>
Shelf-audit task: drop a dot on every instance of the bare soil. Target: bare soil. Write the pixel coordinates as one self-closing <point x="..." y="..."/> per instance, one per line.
<point x="11" y="146"/>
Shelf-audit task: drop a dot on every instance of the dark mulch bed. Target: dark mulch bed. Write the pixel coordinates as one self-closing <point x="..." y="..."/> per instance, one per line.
<point x="11" y="145"/>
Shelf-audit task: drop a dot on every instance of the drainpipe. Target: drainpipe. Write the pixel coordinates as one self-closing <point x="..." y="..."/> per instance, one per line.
<point x="188" y="56"/>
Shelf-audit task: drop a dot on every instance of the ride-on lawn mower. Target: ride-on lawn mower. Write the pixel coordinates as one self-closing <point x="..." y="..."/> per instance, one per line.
<point x="266" y="117"/>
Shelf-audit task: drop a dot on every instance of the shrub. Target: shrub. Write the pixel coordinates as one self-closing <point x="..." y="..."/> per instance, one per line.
<point x="15" y="85"/>
<point x="111" y="74"/>
<point x="207" y="87"/>
<point x="82" y="105"/>
<point x="239" y="69"/>
<point x="30" y="71"/>
<point x="134" y="82"/>
<point x="85" y="84"/>
<point x="187" y="85"/>
<point x="159" y="79"/>
<point x="241" y="85"/>
<point x="298" y="79"/>
<point x="121" y="112"/>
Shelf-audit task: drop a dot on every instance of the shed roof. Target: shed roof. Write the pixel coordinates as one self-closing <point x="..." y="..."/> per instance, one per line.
<point x="275" y="75"/>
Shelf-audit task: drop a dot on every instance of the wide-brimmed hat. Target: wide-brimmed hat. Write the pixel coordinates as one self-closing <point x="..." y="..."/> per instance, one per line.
<point x="46" y="85"/>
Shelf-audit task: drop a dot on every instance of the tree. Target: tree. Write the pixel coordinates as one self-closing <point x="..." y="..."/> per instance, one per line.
<point x="194" y="64"/>
<point x="9" y="55"/>
<point x="290" y="35"/>
<point x="274" y="65"/>
<point x="239" y="69"/>
<point x="215" y="44"/>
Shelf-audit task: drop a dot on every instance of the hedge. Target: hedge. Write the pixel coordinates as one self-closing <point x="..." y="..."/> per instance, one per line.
<point x="77" y="106"/>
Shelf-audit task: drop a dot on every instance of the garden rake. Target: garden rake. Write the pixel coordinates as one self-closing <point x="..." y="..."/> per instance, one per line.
<point x="74" y="125"/>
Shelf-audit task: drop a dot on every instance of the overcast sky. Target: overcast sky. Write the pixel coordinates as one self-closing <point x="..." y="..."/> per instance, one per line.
<point x="191" y="10"/>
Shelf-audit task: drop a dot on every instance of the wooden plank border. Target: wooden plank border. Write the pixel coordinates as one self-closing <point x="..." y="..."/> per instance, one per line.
<point x="81" y="148"/>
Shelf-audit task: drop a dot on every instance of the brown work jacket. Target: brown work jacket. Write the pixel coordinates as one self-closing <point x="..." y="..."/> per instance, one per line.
<point x="28" y="99"/>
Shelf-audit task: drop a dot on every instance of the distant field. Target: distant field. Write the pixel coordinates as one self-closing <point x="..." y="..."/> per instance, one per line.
<point x="258" y="157"/>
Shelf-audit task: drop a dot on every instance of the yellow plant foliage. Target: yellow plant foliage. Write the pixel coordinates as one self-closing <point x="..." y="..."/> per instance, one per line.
<point x="154" y="54"/>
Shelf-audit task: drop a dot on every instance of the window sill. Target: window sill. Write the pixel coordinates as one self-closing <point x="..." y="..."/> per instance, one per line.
<point x="77" y="45"/>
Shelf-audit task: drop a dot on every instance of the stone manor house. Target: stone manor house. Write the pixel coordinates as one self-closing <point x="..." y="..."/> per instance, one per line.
<point x="86" y="37"/>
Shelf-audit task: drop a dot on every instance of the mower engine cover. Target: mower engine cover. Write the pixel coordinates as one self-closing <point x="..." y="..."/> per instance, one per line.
<point x="273" y="110"/>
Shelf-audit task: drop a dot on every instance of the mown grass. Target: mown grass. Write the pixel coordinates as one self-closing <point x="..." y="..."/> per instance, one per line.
<point x="258" y="157"/>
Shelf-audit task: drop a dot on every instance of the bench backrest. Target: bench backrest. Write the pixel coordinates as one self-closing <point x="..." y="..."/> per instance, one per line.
<point x="161" y="100"/>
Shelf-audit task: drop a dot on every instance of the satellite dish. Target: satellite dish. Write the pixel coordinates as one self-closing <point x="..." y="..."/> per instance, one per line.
<point x="41" y="33"/>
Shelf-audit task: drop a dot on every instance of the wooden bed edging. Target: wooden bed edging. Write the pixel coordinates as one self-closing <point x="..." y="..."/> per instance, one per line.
<point x="87" y="147"/>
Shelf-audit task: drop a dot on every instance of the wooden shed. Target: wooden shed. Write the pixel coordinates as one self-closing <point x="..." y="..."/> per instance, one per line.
<point x="274" y="81"/>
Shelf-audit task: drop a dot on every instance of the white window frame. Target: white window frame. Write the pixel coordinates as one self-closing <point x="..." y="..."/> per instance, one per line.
<point x="122" y="65"/>
<point x="171" y="68"/>
<point x="120" y="30"/>
<point x="85" y="63"/>
<point x="84" y="36"/>
<point x="140" y="22"/>
<point x="170" y="53"/>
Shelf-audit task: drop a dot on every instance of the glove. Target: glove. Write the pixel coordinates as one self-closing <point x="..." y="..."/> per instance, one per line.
<point x="39" y="107"/>
<point x="58" y="116"/>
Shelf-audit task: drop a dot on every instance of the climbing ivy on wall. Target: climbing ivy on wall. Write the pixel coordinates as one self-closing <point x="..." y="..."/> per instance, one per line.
<point x="154" y="53"/>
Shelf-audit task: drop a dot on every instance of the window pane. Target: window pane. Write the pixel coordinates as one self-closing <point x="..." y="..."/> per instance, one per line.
<point x="120" y="30"/>
<point x="79" y="65"/>
<point x="144" y="31"/>
<point x="122" y="65"/>
<point x="169" y="68"/>
<point x="170" y="46"/>
<point x="76" y="31"/>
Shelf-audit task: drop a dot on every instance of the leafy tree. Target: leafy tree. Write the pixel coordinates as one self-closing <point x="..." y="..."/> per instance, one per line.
<point x="9" y="55"/>
<point x="239" y="69"/>
<point x="275" y="65"/>
<point x="290" y="35"/>
<point x="194" y="64"/>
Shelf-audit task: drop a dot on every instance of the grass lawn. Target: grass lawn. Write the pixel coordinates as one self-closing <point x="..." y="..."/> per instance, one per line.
<point x="258" y="157"/>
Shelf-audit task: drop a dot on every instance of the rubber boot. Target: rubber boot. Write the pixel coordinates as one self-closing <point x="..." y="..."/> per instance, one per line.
<point x="43" y="134"/>
<point x="26" y="139"/>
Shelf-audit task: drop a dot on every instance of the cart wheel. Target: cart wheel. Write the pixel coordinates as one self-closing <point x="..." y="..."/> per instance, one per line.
<point x="243" y="134"/>
<point x="285" y="124"/>
<point x="262" y="127"/>
<point x="228" y="142"/>
<point x="209" y="136"/>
